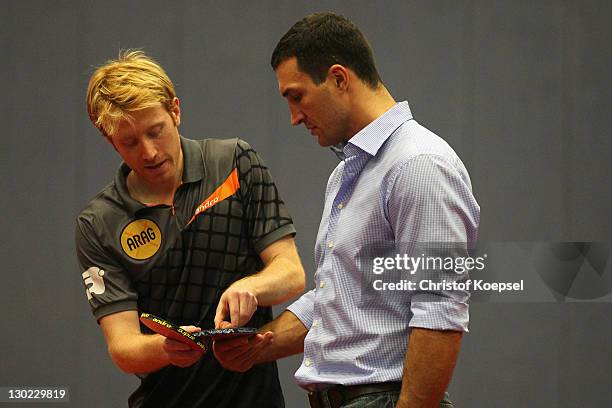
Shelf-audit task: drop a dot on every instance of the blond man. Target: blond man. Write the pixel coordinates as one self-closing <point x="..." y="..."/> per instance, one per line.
<point x="191" y="231"/>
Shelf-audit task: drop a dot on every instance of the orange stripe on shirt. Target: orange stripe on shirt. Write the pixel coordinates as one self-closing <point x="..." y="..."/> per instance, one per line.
<point x="228" y="188"/>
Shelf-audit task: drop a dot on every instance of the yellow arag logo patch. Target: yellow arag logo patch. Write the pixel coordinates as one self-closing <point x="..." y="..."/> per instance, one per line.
<point x="141" y="239"/>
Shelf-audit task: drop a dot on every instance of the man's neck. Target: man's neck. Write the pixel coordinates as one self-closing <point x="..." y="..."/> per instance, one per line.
<point x="369" y="105"/>
<point x="158" y="193"/>
<point x="151" y="195"/>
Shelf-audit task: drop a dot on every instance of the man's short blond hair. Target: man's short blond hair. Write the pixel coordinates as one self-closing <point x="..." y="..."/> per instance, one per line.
<point x="130" y="83"/>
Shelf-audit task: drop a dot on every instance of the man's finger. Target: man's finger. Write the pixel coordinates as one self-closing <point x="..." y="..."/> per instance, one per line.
<point x="224" y="324"/>
<point x="220" y="313"/>
<point x="184" y="358"/>
<point x="244" y="361"/>
<point x="191" y="329"/>
<point x="267" y="336"/>
<point x="236" y="346"/>
<point x="234" y="309"/>
<point x="261" y="340"/>
<point x="242" y="358"/>
<point x="230" y="345"/>
<point x="246" y="309"/>
<point x="173" y="345"/>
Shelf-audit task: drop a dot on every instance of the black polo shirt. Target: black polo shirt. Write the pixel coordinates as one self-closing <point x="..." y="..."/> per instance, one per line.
<point x="176" y="261"/>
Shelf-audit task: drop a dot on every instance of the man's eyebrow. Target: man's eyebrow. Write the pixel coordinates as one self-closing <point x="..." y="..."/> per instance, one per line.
<point x="287" y="91"/>
<point x="155" y="125"/>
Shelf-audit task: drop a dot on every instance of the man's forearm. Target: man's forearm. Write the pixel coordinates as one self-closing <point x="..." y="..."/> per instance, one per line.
<point x="139" y="353"/>
<point x="428" y="367"/>
<point x="135" y="352"/>
<point x="289" y="334"/>
<point x="279" y="281"/>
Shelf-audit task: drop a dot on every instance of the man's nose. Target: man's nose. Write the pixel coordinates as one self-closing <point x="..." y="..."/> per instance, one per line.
<point x="148" y="150"/>
<point x="297" y="117"/>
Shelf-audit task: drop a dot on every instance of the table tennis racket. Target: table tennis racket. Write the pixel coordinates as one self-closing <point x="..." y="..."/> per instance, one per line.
<point x="197" y="341"/>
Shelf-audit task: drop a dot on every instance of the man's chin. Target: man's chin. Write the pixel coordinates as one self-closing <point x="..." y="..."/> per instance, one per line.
<point x="156" y="177"/>
<point x="323" y="142"/>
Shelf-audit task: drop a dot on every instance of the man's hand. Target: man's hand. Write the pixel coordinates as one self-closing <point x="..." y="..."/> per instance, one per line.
<point x="281" y="279"/>
<point x="237" y="303"/>
<point x="135" y="352"/>
<point x="180" y="354"/>
<point x="240" y="354"/>
<point x="284" y="336"/>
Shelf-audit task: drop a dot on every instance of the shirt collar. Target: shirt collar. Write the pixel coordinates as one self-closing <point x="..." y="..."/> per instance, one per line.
<point x="373" y="136"/>
<point x="193" y="164"/>
<point x="193" y="170"/>
<point x="129" y="204"/>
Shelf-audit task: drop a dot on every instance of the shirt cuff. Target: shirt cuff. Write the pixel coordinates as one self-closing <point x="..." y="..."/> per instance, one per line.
<point x="442" y="315"/>
<point x="114" y="307"/>
<point x="272" y="237"/>
<point x="303" y="308"/>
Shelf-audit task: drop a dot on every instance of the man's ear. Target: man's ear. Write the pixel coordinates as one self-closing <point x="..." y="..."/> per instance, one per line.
<point x="339" y="76"/>
<point x="175" y="111"/>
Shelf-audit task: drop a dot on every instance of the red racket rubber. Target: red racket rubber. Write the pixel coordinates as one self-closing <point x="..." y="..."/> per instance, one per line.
<point x="172" y="331"/>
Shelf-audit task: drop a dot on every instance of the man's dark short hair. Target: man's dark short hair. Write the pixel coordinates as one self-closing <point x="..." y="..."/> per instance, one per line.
<point x="321" y="40"/>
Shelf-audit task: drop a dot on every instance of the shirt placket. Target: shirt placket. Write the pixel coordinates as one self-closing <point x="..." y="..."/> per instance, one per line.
<point x="353" y="164"/>
<point x="352" y="167"/>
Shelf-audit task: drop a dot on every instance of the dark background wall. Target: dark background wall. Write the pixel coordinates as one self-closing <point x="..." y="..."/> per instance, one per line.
<point x="520" y="89"/>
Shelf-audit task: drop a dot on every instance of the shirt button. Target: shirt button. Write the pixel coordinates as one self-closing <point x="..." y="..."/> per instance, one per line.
<point x="315" y="323"/>
<point x="340" y="206"/>
<point x="322" y="284"/>
<point x="330" y="244"/>
<point x="307" y="363"/>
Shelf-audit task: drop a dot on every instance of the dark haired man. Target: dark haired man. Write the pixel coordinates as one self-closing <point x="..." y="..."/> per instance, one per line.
<point x="397" y="182"/>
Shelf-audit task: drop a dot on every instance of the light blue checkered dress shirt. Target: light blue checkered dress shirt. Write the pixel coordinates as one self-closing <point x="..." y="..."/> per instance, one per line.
<point x="398" y="182"/>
